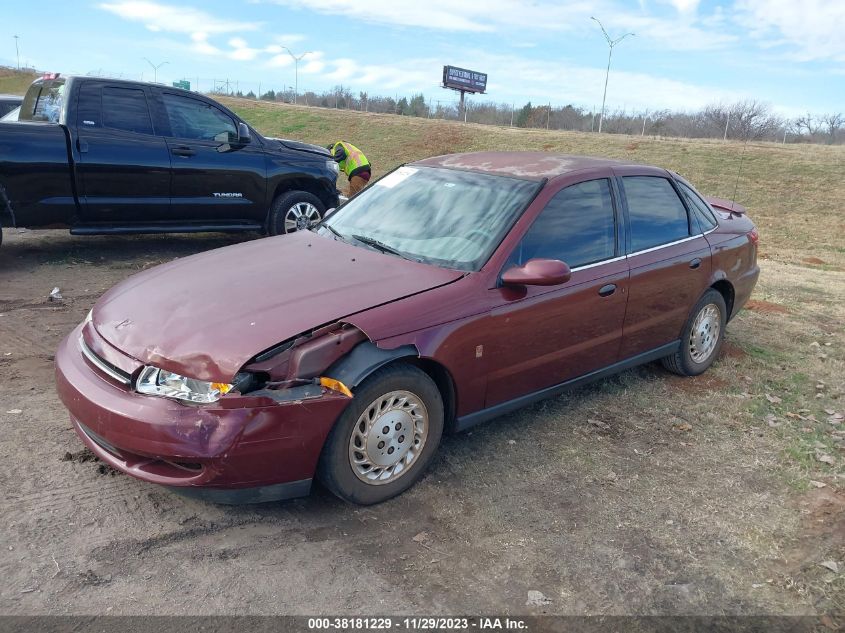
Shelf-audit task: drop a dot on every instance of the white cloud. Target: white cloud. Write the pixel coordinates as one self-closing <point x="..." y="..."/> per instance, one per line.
<point x="202" y="46"/>
<point x="678" y="32"/>
<point x="812" y="29"/>
<point x="289" y="39"/>
<point x="162" y="17"/>
<point x="684" y="6"/>
<point x="279" y="61"/>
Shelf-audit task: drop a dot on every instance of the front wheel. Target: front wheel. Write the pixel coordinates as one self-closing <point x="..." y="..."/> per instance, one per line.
<point x="294" y="211"/>
<point x="701" y="338"/>
<point x="386" y="438"/>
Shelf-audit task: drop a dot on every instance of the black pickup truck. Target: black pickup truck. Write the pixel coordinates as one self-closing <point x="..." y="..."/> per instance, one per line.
<point x="105" y="156"/>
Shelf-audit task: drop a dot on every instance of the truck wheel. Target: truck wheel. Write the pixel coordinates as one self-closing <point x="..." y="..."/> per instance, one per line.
<point x="294" y="211"/>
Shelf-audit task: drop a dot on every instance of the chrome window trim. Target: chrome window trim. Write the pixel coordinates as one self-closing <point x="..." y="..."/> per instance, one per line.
<point x="599" y="263"/>
<point x="668" y="244"/>
<point x="101" y="365"/>
<point x="648" y="250"/>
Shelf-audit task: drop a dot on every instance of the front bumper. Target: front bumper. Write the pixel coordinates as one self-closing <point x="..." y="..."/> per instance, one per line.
<point x="240" y="449"/>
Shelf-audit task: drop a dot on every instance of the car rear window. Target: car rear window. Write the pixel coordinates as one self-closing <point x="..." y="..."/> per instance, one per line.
<point x="43" y="101"/>
<point x="700" y="209"/>
<point x="577" y="226"/>
<point x="656" y="214"/>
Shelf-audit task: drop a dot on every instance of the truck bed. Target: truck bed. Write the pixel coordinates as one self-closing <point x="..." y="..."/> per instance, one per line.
<point x="35" y="156"/>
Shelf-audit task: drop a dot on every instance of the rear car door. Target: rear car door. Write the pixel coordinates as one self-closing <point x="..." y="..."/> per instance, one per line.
<point x="123" y="164"/>
<point x="543" y="336"/>
<point x="669" y="260"/>
<point x="214" y="179"/>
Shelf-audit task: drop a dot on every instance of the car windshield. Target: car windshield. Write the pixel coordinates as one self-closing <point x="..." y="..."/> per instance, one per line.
<point x="445" y="217"/>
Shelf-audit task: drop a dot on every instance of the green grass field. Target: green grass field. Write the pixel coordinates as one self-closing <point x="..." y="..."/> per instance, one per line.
<point x="13" y="82"/>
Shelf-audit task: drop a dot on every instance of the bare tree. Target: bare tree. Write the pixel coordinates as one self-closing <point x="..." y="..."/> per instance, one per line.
<point x="832" y="124"/>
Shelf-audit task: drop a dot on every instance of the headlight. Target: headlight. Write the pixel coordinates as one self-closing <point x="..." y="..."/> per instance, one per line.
<point x="160" y="382"/>
<point x="333" y="166"/>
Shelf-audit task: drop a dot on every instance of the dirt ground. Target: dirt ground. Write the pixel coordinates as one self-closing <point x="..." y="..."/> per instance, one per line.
<point x="643" y="494"/>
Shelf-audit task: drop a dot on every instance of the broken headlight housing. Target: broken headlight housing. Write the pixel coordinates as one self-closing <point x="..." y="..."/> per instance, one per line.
<point x="153" y="381"/>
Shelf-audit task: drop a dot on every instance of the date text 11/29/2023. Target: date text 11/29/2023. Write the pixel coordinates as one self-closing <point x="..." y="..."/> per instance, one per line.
<point x="416" y="623"/>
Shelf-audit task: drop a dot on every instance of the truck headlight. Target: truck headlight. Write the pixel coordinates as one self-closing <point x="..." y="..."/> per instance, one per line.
<point x="333" y="166"/>
<point x="160" y="382"/>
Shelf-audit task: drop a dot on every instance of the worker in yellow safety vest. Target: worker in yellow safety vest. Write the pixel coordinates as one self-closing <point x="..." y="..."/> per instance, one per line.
<point x="353" y="163"/>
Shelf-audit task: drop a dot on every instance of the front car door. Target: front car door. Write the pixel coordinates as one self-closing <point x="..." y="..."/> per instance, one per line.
<point x="543" y="336"/>
<point x="214" y="179"/>
<point x="669" y="260"/>
<point x="123" y="163"/>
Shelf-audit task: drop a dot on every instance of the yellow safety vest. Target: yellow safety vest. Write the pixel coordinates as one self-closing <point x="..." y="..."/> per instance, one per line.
<point x="355" y="160"/>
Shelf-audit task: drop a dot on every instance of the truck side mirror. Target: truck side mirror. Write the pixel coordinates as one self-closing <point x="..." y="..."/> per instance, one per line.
<point x="244" y="135"/>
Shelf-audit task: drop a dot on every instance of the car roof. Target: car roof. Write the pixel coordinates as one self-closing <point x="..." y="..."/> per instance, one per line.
<point x="17" y="97"/>
<point x="527" y="165"/>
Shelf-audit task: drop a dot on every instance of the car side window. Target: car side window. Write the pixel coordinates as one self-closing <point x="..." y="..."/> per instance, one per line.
<point x="577" y="226"/>
<point x="656" y="214"/>
<point x="126" y="109"/>
<point x="195" y="119"/>
<point x="699" y="207"/>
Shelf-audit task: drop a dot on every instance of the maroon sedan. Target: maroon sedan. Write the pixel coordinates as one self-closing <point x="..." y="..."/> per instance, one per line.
<point x="451" y="291"/>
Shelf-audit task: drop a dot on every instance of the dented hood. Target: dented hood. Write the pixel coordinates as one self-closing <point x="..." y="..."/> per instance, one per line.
<point x="206" y="315"/>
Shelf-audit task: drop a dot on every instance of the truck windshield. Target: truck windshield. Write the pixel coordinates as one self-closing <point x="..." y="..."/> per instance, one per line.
<point x="445" y="217"/>
<point x="43" y="101"/>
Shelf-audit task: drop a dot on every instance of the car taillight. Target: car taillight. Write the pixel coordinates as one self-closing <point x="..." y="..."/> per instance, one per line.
<point x="753" y="236"/>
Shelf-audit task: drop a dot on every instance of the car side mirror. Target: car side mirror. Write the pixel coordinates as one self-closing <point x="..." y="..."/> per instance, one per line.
<point x="244" y="135"/>
<point x="537" y="272"/>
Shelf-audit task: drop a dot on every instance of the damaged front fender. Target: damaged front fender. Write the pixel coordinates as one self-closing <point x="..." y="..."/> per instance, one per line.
<point x="365" y="359"/>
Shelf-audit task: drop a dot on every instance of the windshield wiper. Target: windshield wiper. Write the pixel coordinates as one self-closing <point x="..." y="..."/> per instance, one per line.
<point x="333" y="230"/>
<point x="384" y="248"/>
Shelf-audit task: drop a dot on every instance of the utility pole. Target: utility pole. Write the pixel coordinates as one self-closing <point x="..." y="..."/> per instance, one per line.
<point x="296" y="60"/>
<point x="17" y="51"/>
<point x="726" y="126"/>
<point x="155" y="68"/>
<point x="513" y="106"/>
<point x="645" y="115"/>
<point x="610" y="44"/>
<point x="549" y="115"/>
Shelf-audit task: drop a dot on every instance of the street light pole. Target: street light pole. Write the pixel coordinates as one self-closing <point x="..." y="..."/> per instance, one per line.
<point x="610" y="43"/>
<point x="155" y="68"/>
<point x="296" y="61"/>
<point x="17" y="52"/>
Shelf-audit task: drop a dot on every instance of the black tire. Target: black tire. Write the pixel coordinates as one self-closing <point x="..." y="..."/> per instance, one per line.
<point x="335" y="469"/>
<point x="683" y="361"/>
<point x="284" y="203"/>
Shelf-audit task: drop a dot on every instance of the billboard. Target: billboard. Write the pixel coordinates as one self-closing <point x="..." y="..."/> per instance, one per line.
<point x="463" y="79"/>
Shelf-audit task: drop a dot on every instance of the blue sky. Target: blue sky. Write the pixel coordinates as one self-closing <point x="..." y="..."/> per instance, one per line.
<point x="686" y="53"/>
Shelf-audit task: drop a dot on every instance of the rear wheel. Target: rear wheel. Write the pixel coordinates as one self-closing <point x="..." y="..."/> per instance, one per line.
<point x="701" y="338"/>
<point x="295" y="211"/>
<point x="386" y="438"/>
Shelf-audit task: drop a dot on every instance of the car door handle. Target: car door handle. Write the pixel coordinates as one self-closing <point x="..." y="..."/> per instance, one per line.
<point x="606" y="291"/>
<point x="182" y="151"/>
<point x="695" y="263"/>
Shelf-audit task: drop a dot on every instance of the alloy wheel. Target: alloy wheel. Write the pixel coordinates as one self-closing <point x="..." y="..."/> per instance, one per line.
<point x="301" y="216"/>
